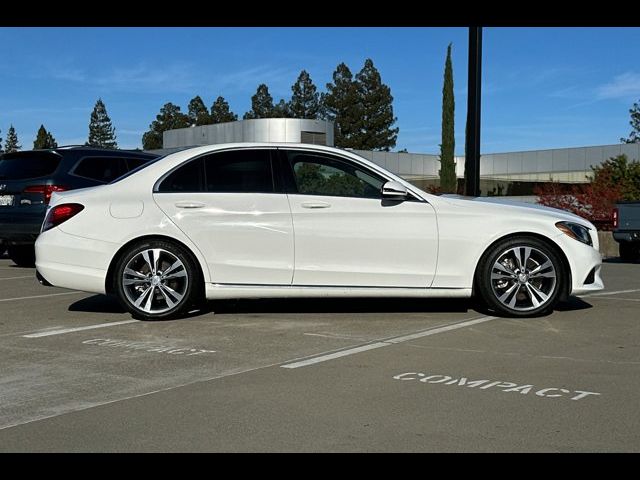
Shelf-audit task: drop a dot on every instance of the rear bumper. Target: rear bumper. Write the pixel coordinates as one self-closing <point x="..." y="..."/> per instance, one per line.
<point x="73" y="262"/>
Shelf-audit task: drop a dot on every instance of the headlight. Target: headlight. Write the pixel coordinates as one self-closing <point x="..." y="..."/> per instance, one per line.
<point x="575" y="231"/>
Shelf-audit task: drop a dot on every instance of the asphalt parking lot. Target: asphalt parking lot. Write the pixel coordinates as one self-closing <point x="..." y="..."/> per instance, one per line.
<point x="78" y="374"/>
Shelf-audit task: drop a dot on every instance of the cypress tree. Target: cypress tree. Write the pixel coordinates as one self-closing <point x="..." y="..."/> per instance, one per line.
<point x="220" y="112"/>
<point x="448" y="180"/>
<point x="634" y="136"/>
<point x="374" y="129"/>
<point x="169" y="118"/>
<point x="101" y="131"/>
<point x="11" y="145"/>
<point x="198" y="113"/>
<point x="340" y="104"/>
<point x="44" y="139"/>
<point x="305" y="101"/>
<point x="261" y="104"/>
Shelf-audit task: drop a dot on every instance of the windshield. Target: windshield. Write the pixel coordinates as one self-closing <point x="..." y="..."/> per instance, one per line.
<point x="25" y="165"/>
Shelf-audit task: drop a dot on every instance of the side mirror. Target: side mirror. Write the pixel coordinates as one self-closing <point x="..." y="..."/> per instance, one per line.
<point x="394" y="191"/>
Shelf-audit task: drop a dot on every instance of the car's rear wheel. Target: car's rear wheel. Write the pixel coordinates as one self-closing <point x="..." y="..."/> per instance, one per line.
<point x="23" y="255"/>
<point x="156" y="280"/>
<point x="521" y="277"/>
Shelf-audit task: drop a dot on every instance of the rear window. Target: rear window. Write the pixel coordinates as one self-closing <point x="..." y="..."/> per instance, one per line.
<point x="19" y="166"/>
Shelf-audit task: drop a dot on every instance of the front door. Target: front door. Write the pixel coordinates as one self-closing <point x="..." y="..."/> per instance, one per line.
<point x="347" y="235"/>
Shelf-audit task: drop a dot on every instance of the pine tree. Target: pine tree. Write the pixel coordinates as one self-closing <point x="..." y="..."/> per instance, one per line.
<point x="261" y="104"/>
<point x="1" y="143"/>
<point x="374" y="130"/>
<point x="340" y="104"/>
<point x="198" y="113"/>
<point x="305" y="101"/>
<point x="220" y="112"/>
<point x="44" y="139"/>
<point x="169" y="118"/>
<point x="51" y="140"/>
<point x="448" y="180"/>
<point x="282" y="110"/>
<point x="634" y="136"/>
<point x="11" y="144"/>
<point x="101" y="131"/>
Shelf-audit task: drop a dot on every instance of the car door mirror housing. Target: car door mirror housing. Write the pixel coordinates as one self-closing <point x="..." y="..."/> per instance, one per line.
<point x="394" y="190"/>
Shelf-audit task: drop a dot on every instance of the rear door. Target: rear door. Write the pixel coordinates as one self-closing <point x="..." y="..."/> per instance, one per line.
<point x="232" y="206"/>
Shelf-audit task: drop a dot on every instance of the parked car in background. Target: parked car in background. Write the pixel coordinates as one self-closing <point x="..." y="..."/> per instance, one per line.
<point x="256" y="220"/>
<point x="626" y="230"/>
<point x="28" y="178"/>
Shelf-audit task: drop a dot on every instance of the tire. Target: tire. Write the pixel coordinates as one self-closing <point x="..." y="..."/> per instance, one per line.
<point x="144" y="290"/>
<point x="509" y="291"/>
<point x="23" y="255"/>
<point x="629" y="252"/>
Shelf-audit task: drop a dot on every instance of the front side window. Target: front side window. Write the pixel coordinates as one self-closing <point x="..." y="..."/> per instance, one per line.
<point x="240" y="171"/>
<point x="317" y="174"/>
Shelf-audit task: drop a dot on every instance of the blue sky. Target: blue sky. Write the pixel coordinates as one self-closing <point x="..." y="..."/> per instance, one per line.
<point x="542" y="87"/>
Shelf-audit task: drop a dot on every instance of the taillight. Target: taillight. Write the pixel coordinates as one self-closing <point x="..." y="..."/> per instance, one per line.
<point x="615" y="218"/>
<point x="60" y="214"/>
<point x="46" y="190"/>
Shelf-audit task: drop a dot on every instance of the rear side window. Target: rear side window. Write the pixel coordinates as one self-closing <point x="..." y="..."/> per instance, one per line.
<point x="20" y="166"/>
<point x="187" y="178"/>
<point x="101" y="169"/>
<point x="241" y="171"/>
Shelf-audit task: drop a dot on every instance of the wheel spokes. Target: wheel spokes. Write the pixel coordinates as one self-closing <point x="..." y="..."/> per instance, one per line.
<point x="523" y="278"/>
<point x="149" y="291"/>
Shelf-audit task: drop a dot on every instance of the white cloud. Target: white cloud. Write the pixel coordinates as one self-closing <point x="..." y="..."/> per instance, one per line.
<point x="622" y="86"/>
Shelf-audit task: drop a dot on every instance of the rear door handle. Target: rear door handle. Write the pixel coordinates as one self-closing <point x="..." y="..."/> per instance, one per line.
<point x="190" y="205"/>
<point x="315" y="205"/>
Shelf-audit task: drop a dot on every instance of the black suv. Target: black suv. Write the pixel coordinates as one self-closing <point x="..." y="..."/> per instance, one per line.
<point x="28" y="178"/>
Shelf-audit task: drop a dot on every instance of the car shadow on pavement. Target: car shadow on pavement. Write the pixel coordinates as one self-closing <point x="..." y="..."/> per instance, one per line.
<point x="109" y="304"/>
<point x="572" y="304"/>
<point x="97" y="304"/>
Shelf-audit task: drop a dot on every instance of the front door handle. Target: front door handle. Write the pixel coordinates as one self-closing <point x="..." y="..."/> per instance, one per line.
<point x="190" y="205"/>
<point x="315" y="205"/>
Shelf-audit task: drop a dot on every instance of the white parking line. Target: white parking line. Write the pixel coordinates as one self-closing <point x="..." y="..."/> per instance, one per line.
<point x="39" y="296"/>
<point x="599" y="294"/>
<point x="16" y="278"/>
<point x="619" y="299"/>
<point x="385" y="343"/>
<point x="77" y="329"/>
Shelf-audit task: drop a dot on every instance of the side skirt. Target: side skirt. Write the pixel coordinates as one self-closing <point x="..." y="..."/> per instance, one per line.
<point x="228" y="291"/>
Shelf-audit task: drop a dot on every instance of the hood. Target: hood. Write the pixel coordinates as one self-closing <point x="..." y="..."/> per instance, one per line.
<point x="499" y="204"/>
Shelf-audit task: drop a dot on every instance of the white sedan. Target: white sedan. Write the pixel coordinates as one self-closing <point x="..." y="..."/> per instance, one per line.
<point x="290" y="220"/>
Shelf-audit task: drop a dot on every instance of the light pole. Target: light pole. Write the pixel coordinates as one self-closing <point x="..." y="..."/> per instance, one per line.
<point x="474" y="97"/>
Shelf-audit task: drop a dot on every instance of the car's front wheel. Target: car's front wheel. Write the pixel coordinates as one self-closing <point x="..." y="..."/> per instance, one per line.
<point x="156" y="280"/>
<point x="520" y="277"/>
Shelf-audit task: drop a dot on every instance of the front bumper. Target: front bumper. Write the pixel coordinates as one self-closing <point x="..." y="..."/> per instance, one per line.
<point x="585" y="263"/>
